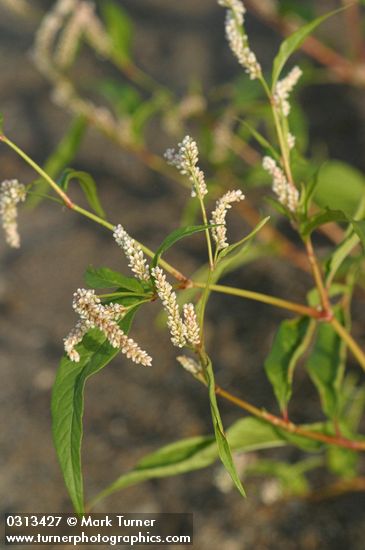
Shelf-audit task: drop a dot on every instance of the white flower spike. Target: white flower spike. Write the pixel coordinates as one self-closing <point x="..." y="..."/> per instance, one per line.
<point x="93" y="314"/>
<point x="186" y="160"/>
<point x="287" y="194"/>
<point x="169" y="301"/>
<point x="237" y="37"/>
<point x="11" y="193"/>
<point x="283" y="89"/>
<point x="219" y="216"/>
<point x="133" y="252"/>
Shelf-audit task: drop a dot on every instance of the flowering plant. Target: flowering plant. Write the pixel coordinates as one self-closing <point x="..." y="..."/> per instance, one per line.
<point x="320" y="330"/>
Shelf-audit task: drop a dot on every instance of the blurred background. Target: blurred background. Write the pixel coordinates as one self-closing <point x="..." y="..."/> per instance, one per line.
<point x="132" y="411"/>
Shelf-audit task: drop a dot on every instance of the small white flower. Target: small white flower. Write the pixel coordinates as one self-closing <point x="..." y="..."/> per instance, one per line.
<point x="69" y="40"/>
<point x="283" y="89"/>
<point x="291" y="140"/>
<point x="219" y="216"/>
<point x="169" y="301"/>
<point x="236" y="6"/>
<point x="93" y="314"/>
<point x="11" y="193"/>
<point x="133" y="252"/>
<point x="191" y="325"/>
<point x="189" y="364"/>
<point x="287" y="194"/>
<point x="186" y="160"/>
<point x="237" y="37"/>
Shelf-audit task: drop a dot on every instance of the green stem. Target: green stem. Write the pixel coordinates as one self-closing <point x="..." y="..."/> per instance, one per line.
<point x="76" y="208"/>
<point x="352" y="345"/>
<point x="317" y="276"/>
<point x="279" y="131"/>
<point x="289" y="426"/>
<point x="38" y="169"/>
<point x="264" y="298"/>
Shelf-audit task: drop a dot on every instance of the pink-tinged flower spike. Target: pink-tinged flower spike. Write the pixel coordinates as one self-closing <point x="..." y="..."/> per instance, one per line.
<point x="11" y="193"/>
<point x="93" y="314"/>
<point x="169" y="301"/>
<point x="237" y="37"/>
<point x="287" y="194"/>
<point x="186" y="160"/>
<point x="283" y="89"/>
<point x="133" y="252"/>
<point x="219" y="216"/>
<point x="192" y="330"/>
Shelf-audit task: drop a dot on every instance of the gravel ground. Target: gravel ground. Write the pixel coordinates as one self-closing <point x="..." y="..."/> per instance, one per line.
<point x="131" y="411"/>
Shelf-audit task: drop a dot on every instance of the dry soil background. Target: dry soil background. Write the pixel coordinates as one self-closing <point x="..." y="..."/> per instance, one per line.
<point x="131" y="411"/>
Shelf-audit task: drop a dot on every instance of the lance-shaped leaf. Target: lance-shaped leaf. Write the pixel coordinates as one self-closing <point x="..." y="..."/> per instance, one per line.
<point x="186" y="455"/>
<point x="176" y="236"/>
<point x="293" y="42"/>
<point x="224" y="449"/>
<point x="325" y="365"/>
<point x="323" y="217"/>
<point x="120" y="28"/>
<point x="340" y="187"/>
<point x="68" y="405"/>
<point x="290" y="342"/>
<point x="104" y="277"/>
<point x="87" y="185"/>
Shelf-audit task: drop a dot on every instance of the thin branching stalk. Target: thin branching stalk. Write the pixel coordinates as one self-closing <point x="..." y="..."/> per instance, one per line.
<point x="289" y="426"/>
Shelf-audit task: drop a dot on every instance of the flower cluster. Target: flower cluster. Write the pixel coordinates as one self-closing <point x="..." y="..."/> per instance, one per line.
<point x="182" y="332"/>
<point x="283" y="88"/>
<point x="191" y="325"/>
<point x="137" y="261"/>
<point x="11" y="193"/>
<point x="237" y="37"/>
<point x="186" y="160"/>
<point x="189" y="364"/>
<point x="219" y="216"/>
<point x="93" y="314"/>
<point x="80" y="20"/>
<point x="48" y="31"/>
<point x="287" y="194"/>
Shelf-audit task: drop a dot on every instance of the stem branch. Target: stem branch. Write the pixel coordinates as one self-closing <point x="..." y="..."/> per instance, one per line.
<point x="289" y="426"/>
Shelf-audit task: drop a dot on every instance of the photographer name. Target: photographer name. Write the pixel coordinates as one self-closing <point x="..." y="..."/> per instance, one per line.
<point x="116" y="521"/>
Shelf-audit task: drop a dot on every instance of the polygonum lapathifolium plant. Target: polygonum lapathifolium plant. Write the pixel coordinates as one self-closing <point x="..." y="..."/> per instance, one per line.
<point x="318" y="335"/>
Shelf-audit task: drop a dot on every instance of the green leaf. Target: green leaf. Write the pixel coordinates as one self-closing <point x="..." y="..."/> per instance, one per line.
<point x="352" y="402"/>
<point x="261" y="140"/>
<point x="119" y="27"/>
<point x="339" y="255"/>
<point x="87" y="185"/>
<point x="61" y="157"/>
<point x="359" y="227"/>
<point x="68" y="405"/>
<point x="103" y="277"/>
<point x="221" y="439"/>
<point x="326" y="365"/>
<point x="124" y="98"/>
<point x="291" y="476"/>
<point x="291" y="341"/>
<point x="322" y="218"/>
<point x="298" y="7"/>
<point x="293" y="42"/>
<point x="342" y="462"/>
<point x="186" y="455"/>
<point x="339" y="187"/>
<point x="174" y="237"/>
<point x="1" y="123"/>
